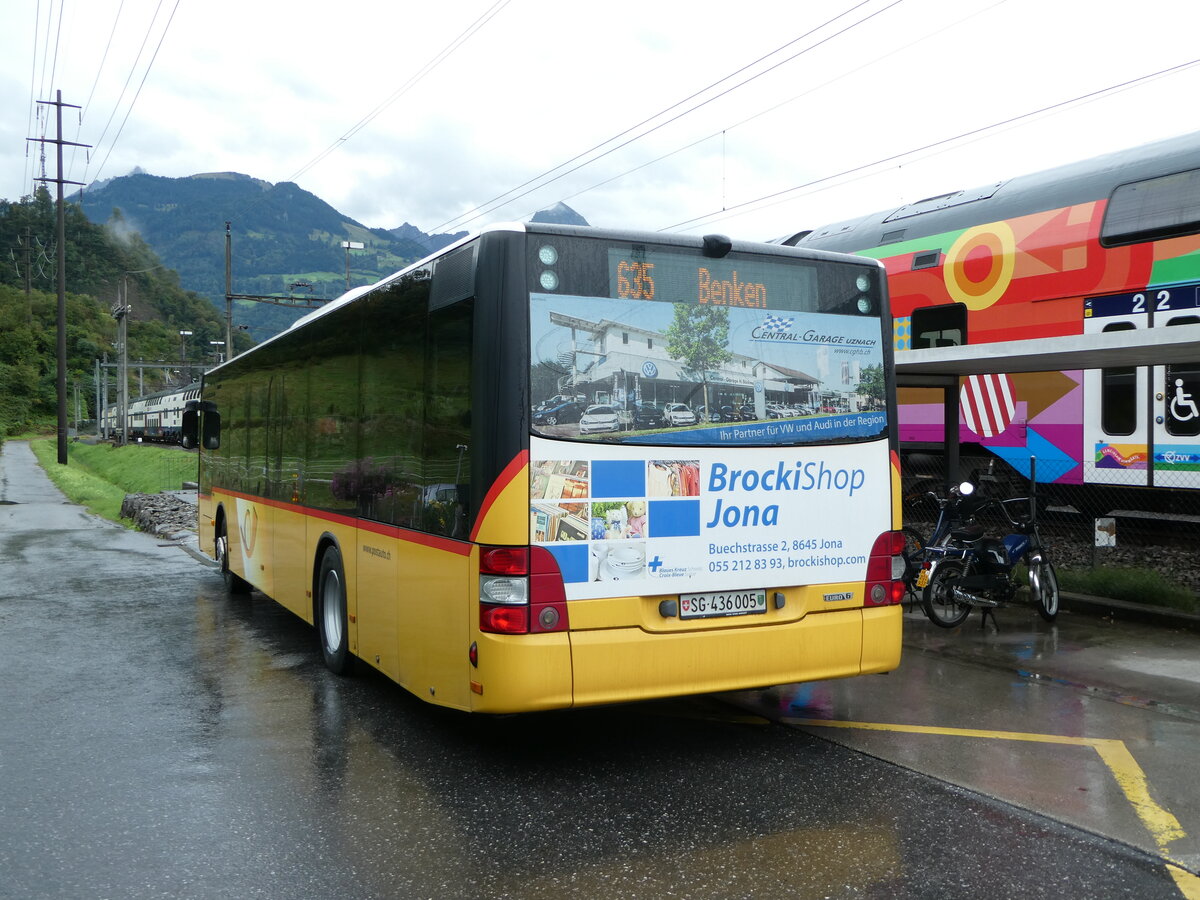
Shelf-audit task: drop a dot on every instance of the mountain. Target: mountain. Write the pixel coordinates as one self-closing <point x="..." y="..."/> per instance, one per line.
<point x="558" y="214"/>
<point x="285" y="241"/>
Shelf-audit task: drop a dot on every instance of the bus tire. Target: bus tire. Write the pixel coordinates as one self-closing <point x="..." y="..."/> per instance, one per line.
<point x="234" y="583"/>
<point x="331" y="613"/>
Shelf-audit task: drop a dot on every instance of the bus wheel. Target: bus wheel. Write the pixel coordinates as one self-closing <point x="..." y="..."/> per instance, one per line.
<point x="331" y="613"/>
<point x="234" y="583"/>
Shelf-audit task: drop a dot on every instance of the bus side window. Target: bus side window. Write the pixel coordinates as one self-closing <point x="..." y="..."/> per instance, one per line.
<point x="448" y="419"/>
<point x="1118" y="393"/>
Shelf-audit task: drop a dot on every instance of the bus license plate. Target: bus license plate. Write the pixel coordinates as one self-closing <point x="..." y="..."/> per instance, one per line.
<point x="722" y="603"/>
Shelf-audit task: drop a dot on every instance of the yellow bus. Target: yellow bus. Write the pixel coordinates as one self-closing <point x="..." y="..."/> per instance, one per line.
<point x="553" y="466"/>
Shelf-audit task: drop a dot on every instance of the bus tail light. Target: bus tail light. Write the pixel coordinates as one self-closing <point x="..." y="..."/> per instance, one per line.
<point x="520" y="591"/>
<point x="885" y="570"/>
<point x="548" y="596"/>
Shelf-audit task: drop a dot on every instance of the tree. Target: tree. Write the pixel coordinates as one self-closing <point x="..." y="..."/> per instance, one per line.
<point x="699" y="338"/>
<point x="871" y="386"/>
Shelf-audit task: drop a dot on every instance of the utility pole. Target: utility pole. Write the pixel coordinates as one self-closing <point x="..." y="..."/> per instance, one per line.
<point x="120" y="312"/>
<point x="230" y="296"/>
<point x="61" y="381"/>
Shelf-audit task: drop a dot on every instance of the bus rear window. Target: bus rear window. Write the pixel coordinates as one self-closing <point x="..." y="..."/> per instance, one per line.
<point x="641" y="344"/>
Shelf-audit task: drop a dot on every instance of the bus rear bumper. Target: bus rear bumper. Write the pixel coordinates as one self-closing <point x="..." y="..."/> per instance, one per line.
<point x="623" y="664"/>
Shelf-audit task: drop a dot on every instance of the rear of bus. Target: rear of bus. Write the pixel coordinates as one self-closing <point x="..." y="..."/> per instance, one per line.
<point x="745" y="539"/>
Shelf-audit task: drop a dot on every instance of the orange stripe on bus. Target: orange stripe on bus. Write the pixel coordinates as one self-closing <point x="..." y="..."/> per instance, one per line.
<point x="511" y="471"/>
<point x="434" y="541"/>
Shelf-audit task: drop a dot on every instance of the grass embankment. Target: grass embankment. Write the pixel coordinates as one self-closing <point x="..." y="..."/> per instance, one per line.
<point x="99" y="476"/>
<point x="1136" y="585"/>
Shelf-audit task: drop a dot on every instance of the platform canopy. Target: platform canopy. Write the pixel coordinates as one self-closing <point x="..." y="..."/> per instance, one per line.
<point x="1137" y="347"/>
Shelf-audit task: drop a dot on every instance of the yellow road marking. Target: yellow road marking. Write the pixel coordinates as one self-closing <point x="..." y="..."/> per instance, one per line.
<point x="1162" y="825"/>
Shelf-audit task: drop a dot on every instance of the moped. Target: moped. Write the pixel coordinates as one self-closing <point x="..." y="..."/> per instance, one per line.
<point x="967" y="570"/>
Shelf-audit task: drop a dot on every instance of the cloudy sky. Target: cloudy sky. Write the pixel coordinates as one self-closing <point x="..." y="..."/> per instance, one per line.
<point x="750" y="118"/>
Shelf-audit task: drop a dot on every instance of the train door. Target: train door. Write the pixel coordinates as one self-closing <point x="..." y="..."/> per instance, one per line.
<point x="1176" y="400"/>
<point x="1116" y="437"/>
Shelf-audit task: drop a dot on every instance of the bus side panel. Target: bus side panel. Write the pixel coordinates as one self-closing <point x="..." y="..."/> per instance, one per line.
<point x="292" y="576"/>
<point x="433" y="592"/>
<point x="523" y="673"/>
<point x="882" y="634"/>
<point x="206" y="523"/>
<point x="620" y="664"/>
<point x="376" y="589"/>
<point x="251" y="527"/>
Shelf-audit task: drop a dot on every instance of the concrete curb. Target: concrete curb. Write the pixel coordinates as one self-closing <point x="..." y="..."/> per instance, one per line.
<point x="1123" y="610"/>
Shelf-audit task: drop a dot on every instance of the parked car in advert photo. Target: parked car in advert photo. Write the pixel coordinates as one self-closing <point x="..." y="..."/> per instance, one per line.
<point x="561" y="414"/>
<point x="597" y="419"/>
<point x="647" y="415"/>
<point x="678" y="414"/>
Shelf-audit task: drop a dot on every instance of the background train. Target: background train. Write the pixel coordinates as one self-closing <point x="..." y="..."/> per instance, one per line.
<point x="1108" y="244"/>
<point x="154" y="417"/>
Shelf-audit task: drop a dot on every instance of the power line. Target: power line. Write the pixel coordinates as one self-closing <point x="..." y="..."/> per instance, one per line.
<point x="975" y="132"/>
<point x="162" y="37"/>
<point x="432" y="64"/>
<point x="408" y="85"/>
<point x="778" y="106"/>
<point x="103" y="59"/>
<point x="542" y="179"/>
<point x="129" y="78"/>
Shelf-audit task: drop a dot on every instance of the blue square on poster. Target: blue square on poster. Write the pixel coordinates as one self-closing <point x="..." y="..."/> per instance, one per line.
<point x="572" y="561"/>
<point x="618" y="478"/>
<point x="674" y="518"/>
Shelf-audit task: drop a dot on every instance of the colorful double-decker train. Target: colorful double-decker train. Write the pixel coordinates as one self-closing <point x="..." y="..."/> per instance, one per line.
<point x="1109" y="244"/>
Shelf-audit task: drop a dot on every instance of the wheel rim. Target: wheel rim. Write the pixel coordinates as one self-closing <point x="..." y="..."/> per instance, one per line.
<point x="222" y="550"/>
<point x="1045" y="588"/>
<point x="942" y="607"/>
<point x="331" y="611"/>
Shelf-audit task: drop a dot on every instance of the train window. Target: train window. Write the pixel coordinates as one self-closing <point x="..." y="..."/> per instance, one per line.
<point x="927" y="260"/>
<point x="944" y="325"/>
<point x="1118" y="393"/>
<point x="1183" y="391"/>
<point x="1163" y="207"/>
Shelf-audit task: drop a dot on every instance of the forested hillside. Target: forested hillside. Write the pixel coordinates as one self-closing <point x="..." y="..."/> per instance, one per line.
<point x="99" y="261"/>
<point x="283" y="238"/>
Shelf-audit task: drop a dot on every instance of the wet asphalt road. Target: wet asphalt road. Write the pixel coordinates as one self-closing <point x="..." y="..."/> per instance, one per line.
<point x="160" y="739"/>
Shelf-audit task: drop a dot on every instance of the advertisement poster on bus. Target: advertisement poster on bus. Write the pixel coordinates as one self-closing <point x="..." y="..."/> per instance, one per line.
<point x="630" y="371"/>
<point x="677" y="520"/>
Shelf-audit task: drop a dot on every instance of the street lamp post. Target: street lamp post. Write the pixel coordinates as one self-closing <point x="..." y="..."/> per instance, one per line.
<point x="183" y="336"/>
<point x="351" y="245"/>
<point x="220" y="350"/>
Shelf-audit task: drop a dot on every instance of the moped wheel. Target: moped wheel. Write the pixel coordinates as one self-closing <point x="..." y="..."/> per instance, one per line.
<point x="938" y="597"/>
<point x="1043" y="588"/>
<point x="914" y="555"/>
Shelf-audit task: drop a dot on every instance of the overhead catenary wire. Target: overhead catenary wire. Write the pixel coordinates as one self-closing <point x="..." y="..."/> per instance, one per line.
<point x="775" y="107"/>
<point x="545" y="177"/>
<point x="777" y="196"/>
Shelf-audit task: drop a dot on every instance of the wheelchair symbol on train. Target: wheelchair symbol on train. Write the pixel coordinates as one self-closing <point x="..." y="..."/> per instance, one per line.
<point x="1183" y="407"/>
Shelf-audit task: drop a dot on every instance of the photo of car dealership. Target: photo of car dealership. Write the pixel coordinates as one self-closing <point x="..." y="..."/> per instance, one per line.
<point x="611" y="376"/>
